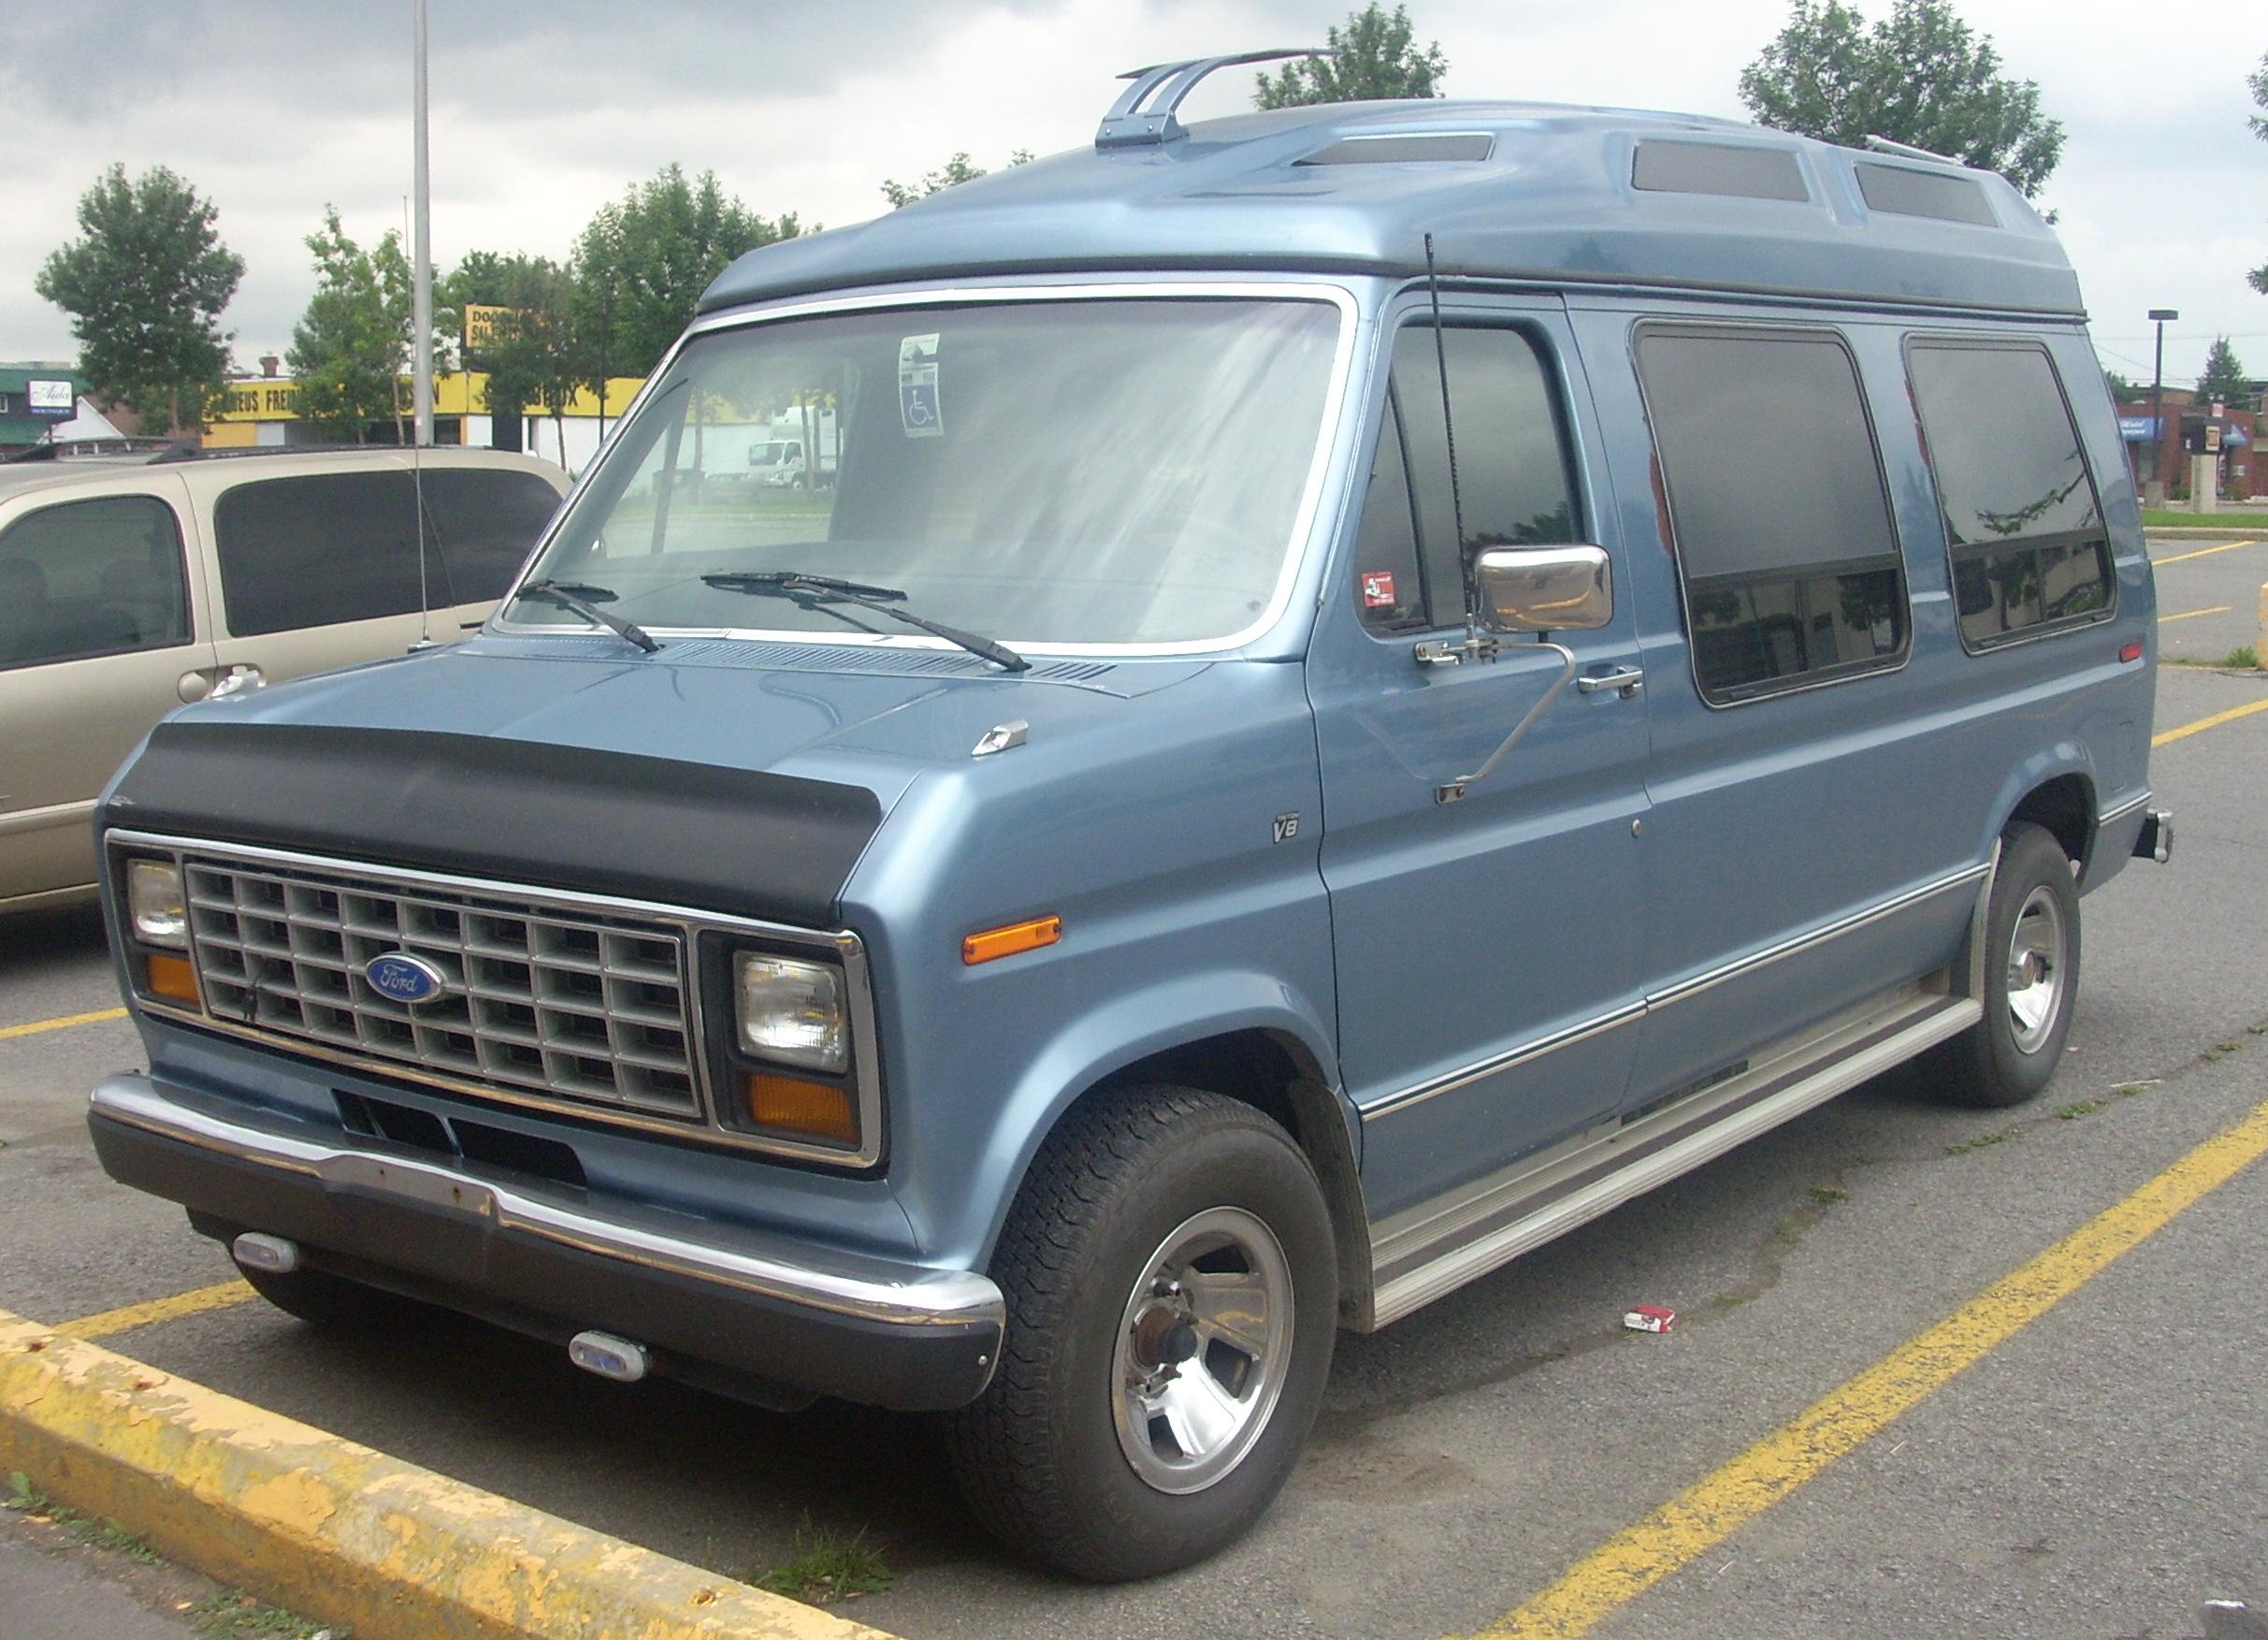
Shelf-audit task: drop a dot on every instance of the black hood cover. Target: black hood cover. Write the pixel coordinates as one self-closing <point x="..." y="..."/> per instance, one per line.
<point x="741" y="841"/>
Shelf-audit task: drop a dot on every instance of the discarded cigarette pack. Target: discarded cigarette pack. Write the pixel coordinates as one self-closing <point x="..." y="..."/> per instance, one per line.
<point x="1649" y="1318"/>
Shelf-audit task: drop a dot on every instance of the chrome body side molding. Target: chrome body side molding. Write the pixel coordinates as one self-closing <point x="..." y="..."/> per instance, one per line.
<point x="1433" y="1249"/>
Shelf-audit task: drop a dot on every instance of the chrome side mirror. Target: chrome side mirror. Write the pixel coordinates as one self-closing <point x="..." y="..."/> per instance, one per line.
<point x="1544" y="588"/>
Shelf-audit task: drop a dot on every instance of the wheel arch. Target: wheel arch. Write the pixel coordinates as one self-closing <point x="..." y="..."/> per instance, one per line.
<point x="1245" y="1035"/>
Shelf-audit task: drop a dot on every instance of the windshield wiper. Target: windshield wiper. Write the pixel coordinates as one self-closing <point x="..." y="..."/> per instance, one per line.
<point x="813" y="588"/>
<point x="575" y="596"/>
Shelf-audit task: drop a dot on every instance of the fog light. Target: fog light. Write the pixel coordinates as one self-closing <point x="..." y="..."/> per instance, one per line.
<point x="791" y="1012"/>
<point x="787" y="1104"/>
<point x="153" y="903"/>
<point x="171" y="978"/>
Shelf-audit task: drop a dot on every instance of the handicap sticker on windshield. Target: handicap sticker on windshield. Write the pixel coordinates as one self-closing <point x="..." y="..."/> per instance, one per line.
<point x="917" y="404"/>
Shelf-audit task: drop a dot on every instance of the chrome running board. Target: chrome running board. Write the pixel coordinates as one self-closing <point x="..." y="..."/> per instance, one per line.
<point x="1437" y="1247"/>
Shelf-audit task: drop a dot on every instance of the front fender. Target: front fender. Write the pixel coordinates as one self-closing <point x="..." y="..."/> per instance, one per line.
<point x="1127" y="1028"/>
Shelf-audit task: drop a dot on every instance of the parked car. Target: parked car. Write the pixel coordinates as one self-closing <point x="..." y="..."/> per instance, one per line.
<point x="1174" y="861"/>
<point x="130" y="586"/>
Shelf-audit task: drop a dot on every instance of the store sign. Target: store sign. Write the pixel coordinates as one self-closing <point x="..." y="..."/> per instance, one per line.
<point x="53" y="400"/>
<point x="484" y="327"/>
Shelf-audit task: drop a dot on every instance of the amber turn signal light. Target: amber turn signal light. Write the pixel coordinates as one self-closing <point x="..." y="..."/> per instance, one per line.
<point x="1008" y="941"/>
<point x="170" y="978"/>
<point x="789" y="1104"/>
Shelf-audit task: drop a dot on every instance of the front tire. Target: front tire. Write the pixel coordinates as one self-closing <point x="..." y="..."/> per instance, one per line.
<point x="1172" y="1290"/>
<point x="2031" y="976"/>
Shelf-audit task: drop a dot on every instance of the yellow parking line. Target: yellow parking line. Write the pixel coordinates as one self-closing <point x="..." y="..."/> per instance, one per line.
<point x="2193" y="613"/>
<point x="2170" y="736"/>
<point x="68" y="1020"/>
<point x="2205" y="552"/>
<point x="173" y="1309"/>
<point x="1708" y="1512"/>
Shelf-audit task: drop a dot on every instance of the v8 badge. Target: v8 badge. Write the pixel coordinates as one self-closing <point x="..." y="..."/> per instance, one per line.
<point x="1287" y="827"/>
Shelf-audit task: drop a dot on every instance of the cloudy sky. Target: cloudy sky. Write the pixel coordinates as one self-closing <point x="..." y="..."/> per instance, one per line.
<point x="541" y="111"/>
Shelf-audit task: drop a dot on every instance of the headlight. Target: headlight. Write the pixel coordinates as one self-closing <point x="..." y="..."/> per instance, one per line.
<point x="791" y="1012"/>
<point x="153" y="903"/>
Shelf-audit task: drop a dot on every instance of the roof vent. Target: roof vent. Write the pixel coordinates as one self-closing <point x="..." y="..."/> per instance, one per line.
<point x="1406" y="147"/>
<point x="1129" y="124"/>
<point x="1722" y="168"/>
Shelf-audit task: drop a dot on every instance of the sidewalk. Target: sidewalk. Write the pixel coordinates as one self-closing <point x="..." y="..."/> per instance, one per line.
<point x="70" y="1596"/>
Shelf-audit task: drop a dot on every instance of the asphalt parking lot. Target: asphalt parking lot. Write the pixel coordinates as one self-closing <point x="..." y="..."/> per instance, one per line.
<point x="2099" y="1469"/>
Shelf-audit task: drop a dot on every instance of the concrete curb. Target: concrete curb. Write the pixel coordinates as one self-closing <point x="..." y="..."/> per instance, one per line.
<point x="339" y="1533"/>
<point x="2195" y="533"/>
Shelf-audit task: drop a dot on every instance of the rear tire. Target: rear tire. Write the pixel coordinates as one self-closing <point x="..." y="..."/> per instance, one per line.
<point x="1173" y="1293"/>
<point x="2031" y="976"/>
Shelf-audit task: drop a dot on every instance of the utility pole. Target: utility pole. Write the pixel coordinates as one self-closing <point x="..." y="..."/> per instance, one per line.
<point x="420" y="273"/>
<point x="2153" y="490"/>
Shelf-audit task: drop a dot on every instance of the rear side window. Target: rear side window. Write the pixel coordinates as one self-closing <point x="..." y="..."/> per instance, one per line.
<point x="1515" y="484"/>
<point x="1777" y="506"/>
<point x="315" y="551"/>
<point x="94" y="578"/>
<point x="2022" y="522"/>
<point x="484" y="523"/>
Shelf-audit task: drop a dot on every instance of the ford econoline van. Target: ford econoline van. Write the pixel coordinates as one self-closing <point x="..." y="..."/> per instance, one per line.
<point x="1374" y="681"/>
<point x="128" y="586"/>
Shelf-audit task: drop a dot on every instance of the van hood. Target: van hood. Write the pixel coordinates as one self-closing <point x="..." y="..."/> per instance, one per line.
<point x="701" y="779"/>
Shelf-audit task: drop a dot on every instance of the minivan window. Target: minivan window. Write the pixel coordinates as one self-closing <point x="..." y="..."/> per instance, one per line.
<point x="1514" y="480"/>
<point x="318" y="550"/>
<point x="1777" y="506"/>
<point x="1084" y="471"/>
<point x="2026" y="534"/>
<point x="484" y="523"/>
<point x="92" y="577"/>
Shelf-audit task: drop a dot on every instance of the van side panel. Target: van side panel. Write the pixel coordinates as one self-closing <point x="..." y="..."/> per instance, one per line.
<point x="1815" y="846"/>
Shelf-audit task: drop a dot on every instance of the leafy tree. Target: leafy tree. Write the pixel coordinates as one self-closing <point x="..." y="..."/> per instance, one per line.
<point x="641" y="264"/>
<point x="2224" y="379"/>
<point x="352" y="347"/>
<point x="960" y="168"/>
<point x="1921" y="76"/>
<point x="2258" y="81"/>
<point x="2122" y="390"/>
<point x="529" y="352"/>
<point x="145" y="289"/>
<point x="1376" y="58"/>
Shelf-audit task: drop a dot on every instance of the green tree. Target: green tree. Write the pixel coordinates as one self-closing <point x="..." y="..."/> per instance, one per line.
<point x="960" y="168"/>
<point x="1921" y="76"/>
<point x="2122" y="390"/>
<point x="2224" y="379"/>
<point x="2258" y="81"/>
<point x="145" y="289"/>
<point x="352" y="347"/>
<point x="640" y="264"/>
<point x="529" y="352"/>
<point x="1376" y="58"/>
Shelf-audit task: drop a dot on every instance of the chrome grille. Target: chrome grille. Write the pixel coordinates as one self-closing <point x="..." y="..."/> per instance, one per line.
<point x="592" y="1010"/>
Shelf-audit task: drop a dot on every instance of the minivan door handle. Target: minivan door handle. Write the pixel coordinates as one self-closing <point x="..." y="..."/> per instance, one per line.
<point x="1624" y="681"/>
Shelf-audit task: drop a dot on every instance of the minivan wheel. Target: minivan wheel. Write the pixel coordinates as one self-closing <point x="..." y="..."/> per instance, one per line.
<point x="1172" y="1292"/>
<point x="2032" y="975"/>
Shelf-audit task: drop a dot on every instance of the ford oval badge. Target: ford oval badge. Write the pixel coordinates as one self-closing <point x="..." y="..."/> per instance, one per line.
<point x="402" y="978"/>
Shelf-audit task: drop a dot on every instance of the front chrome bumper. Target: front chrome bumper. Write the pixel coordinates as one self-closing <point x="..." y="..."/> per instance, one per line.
<point x="545" y="1260"/>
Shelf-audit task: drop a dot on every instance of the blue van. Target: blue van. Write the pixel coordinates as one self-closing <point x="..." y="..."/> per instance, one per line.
<point x="1370" y="682"/>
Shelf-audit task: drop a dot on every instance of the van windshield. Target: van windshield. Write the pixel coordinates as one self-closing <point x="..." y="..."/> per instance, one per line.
<point x="1094" y="471"/>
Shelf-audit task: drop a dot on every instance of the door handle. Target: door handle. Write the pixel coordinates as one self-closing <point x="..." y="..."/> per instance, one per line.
<point x="1624" y="681"/>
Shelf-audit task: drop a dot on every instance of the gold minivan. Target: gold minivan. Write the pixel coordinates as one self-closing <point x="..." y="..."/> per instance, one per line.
<point x="130" y="586"/>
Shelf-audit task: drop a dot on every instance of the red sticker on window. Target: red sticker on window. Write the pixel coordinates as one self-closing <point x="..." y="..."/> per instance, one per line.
<point x="1378" y="589"/>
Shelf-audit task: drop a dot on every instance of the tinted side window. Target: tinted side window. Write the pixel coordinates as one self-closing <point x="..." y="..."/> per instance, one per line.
<point x="95" y="578"/>
<point x="1783" y="527"/>
<point x="314" y="551"/>
<point x="484" y="524"/>
<point x="2026" y="532"/>
<point x="1514" y="482"/>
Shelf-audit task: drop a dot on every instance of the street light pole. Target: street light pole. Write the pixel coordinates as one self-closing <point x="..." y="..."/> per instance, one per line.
<point x="2159" y="317"/>
<point x="421" y="276"/>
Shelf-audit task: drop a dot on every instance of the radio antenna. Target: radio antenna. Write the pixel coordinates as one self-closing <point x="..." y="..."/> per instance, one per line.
<point x="1448" y="432"/>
